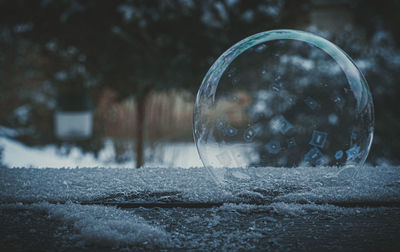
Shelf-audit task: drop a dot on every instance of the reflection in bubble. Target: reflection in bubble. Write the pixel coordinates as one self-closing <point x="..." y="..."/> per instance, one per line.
<point x="297" y="91"/>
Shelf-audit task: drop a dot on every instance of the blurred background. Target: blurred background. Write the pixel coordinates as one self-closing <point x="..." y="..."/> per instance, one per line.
<point x="87" y="83"/>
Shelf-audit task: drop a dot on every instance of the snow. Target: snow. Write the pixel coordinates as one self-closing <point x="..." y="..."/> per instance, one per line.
<point x="252" y="185"/>
<point x="48" y="156"/>
<point x="100" y="226"/>
<point x="165" y="155"/>
<point x="261" y="208"/>
<point x="294" y="209"/>
<point x="7" y="132"/>
<point x="182" y="155"/>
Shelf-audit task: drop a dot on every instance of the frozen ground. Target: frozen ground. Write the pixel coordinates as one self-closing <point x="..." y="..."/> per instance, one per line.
<point x="308" y="209"/>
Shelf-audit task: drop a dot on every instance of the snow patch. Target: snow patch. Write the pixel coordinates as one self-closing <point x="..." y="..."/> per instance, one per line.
<point x="183" y="155"/>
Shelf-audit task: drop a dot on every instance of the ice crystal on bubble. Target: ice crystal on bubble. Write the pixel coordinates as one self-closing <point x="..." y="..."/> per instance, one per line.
<point x="273" y="147"/>
<point x="301" y="101"/>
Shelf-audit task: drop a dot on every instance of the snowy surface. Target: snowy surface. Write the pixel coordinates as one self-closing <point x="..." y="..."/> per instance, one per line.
<point x="100" y="226"/>
<point x="164" y="155"/>
<point x="259" y="208"/>
<point x="252" y="185"/>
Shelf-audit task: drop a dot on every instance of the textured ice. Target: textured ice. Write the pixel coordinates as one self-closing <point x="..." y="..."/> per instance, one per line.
<point x="323" y="184"/>
<point x="291" y="209"/>
<point x="101" y="226"/>
<point x="262" y="208"/>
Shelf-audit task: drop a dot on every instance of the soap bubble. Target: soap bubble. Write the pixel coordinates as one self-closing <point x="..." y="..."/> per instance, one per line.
<point x="283" y="98"/>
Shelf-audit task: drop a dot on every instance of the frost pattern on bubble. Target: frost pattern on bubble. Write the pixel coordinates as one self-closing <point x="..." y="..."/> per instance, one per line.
<point x="291" y="142"/>
<point x="339" y="101"/>
<point x="339" y="154"/>
<point x="249" y="134"/>
<point x="318" y="139"/>
<point x="273" y="147"/>
<point x="353" y="153"/>
<point x="313" y="157"/>
<point x="230" y="131"/>
<point x="280" y="124"/>
<point x="311" y="103"/>
<point x="283" y="98"/>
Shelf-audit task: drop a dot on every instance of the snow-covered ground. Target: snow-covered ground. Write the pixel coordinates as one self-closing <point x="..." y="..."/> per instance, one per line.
<point x="163" y="207"/>
<point x="256" y="208"/>
<point x="16" y="154"/>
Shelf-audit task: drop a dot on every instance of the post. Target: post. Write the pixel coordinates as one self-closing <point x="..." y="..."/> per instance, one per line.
<point x="140" y="123"/>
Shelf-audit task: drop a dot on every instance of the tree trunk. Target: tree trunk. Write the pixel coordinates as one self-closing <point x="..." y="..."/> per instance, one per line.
<point x="140" y="124"/>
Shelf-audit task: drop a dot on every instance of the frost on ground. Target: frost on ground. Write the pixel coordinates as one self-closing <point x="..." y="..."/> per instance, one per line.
<point x="252" y="185"/>
<point x="258" y="208"/>
<point x="98" y="226"/>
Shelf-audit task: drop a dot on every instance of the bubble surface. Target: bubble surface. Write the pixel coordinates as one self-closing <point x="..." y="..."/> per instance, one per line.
<point x="283" y="98"/>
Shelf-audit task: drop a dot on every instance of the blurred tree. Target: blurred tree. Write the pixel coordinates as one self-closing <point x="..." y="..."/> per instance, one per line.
<point x="382" y="54"/>
<point x="135" y="47"/>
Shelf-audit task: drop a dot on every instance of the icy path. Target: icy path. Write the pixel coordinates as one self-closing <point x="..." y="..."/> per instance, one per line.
<point x="259" y="208"/>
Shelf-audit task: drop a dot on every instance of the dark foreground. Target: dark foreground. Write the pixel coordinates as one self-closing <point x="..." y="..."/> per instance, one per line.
<point x="291" y="214"/>
<point x="219" y="229"/>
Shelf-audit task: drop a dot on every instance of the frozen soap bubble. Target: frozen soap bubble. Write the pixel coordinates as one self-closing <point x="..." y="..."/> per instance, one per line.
<point x="283" y="98"/>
